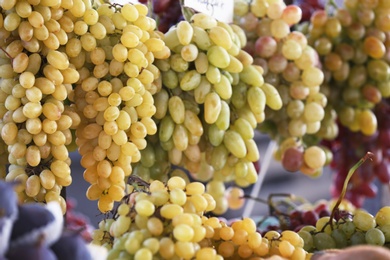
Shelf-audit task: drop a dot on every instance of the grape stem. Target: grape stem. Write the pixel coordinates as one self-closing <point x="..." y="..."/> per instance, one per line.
<point x="273" y="206"/>
<point x="186" y="11"/>
<point x="330" y="5"/>
<point x="137" y="181"/>
<point x="368" y="155"/>
<point x="6" y="53"/>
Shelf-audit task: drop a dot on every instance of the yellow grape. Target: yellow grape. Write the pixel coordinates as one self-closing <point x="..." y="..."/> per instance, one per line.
<point x="176" y="109"/>
<point x="252" y="150"/>
<point x="180" y="137"/>
<point x="235" y="144"/>
<point x="129" y="12"/>
<point x="367" y="122"/>
<point x="193" y="123"/>
<point x="190" y="53"/>
<point x="212" y="107"/>
<point x="223" y="120"/>
<point x="204" y="21"/>
<point x="312" y="76"/>
<point x="273" y="99"/>
<point x="213" y="74"/>
<point x="218" y="56"/>
<point x="201" y="38"/>
<point x="235" y="65"/>
<point x="184" y="32"/>
<point x="223" y="88"/>
<point x="256" y="99"/>
<point x="190" y="80"/>
<point x="57" y="59"/>
<point x="314" y="157"/>
<point x="250" y="75"/>
<point x="244" y="128"/>
<point x="221" y="37"/>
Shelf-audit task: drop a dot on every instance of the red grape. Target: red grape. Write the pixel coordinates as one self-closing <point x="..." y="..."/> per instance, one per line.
<point x="292" y="159"/>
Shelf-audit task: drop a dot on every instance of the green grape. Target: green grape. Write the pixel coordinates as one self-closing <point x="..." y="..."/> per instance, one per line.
<point x="382" y="216"/>
<point x="375" y="236"/>
<point x="308" y="240"/>
<point x="340" y="238"/>
<point x="358" y="238"/>
<point x="386" y="231"/>
<point x="323" y="241"/>
<point x="363" y="220"/>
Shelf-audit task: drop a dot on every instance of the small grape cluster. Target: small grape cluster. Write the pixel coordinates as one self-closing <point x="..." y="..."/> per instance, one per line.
<point x="159" y="219"/>
<point x="350" y="229"/>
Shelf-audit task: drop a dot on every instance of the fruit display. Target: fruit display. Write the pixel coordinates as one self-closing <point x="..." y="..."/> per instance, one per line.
<point x="163" y="103"/>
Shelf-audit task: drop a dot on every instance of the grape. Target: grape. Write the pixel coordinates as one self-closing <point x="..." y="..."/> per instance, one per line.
<point x="357" y="238"/>
<point x="382" y="216"/>
<point x="40" y="105"/>
<point x="292" y="159"/>
<point x="323" y="241"/>
<point x="363" y="220"/>
<point x="375" y="236"/>
<point x="340" y="238"/>
<point x="142" y="235"/>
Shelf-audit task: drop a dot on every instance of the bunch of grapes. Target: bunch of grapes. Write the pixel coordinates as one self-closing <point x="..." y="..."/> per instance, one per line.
<point x="114" y="53"/>
<point x="36" y="79"/>
<point x="293" y="67"/>
<point x="212" y="99"/>
<point x="241" y="240"/>
<point x="348" y="230"/>
<point x="353" y="46"/>
<point x="169" y="220"/>
<point x="159" y="219"/>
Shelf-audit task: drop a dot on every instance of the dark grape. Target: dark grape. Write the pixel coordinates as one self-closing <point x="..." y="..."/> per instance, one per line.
<point x="292" y="159"/>
<point x="310" y="217"/>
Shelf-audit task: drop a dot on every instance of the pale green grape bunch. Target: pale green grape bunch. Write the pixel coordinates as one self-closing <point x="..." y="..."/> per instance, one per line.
<point x="357" y="228"/>
<point x="352" y="43"/>
<point x="292" y="66"/>
<point x="114" y="49"/>
<point x="163" y="220"/>
<point x="36" y="80"/>
<point x="212" y="99"/>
